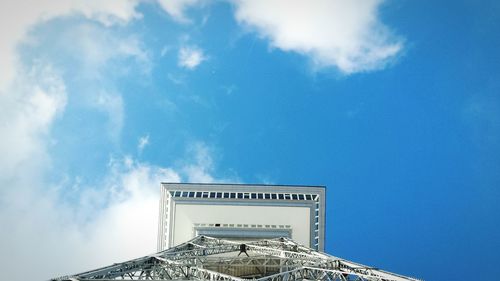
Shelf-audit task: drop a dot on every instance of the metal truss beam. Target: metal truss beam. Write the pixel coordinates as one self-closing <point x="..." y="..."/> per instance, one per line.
<point x="207" y="258"/>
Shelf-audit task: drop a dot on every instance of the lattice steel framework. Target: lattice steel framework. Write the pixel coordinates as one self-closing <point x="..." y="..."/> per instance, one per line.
<point x="207" y="258"/>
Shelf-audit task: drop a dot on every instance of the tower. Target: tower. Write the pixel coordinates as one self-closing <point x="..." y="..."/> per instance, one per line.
<point x="237" y="232"/>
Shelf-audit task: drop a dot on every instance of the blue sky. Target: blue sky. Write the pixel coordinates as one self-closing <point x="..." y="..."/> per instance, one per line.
<point x="393" y="105"/>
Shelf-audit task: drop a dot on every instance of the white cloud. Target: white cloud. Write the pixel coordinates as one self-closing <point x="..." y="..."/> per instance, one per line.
<point x="143" y="142"/>
<point x="95" y="48"/>
<point x="176" y="8"/>
<point x="63" y="235"/>
<point x="229" y="89"/>
<point x="176" y="79"/>
<point x="200" y="167"/>
<point x="31" y="97"/>
<point x="347" y="35"/>
<point x="118" y="221"/>
<point x="99" y="58"/>
<point x="29" y="108"/>
<point x="112" y="223"/>
<point x="63" y="227"/>
<point x="190" y="57"/>
<point x="164" y="51"/>
<point x="16" y="17"/>
<point x="112" y="105"/>
<point x="58" y="234"/>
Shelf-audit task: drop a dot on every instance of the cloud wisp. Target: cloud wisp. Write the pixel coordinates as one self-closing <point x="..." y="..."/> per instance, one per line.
<point x="29" y="107"/>
<point x="177" y="8"/>
<point x="16" y="20"/>
<point x="190" y="57"/>
<point x="143" y="142"/>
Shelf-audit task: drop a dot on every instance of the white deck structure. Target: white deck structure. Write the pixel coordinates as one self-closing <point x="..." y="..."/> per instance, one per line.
<point x="241" y="212"/>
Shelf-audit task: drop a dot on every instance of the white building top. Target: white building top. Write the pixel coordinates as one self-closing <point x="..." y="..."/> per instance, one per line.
<point x="241" y="212"/>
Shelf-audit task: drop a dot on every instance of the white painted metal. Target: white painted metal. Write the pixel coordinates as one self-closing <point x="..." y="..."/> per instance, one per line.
<point x="208" y="258"/>
<point x="240" y="212"/>
<point x="244" y="208"/>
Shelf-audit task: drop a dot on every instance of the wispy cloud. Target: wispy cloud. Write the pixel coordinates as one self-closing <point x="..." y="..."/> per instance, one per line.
<point x="96" y="48"/>
<point x="177" y="8"/>
<point x="29" y="107"/>
<point x="482" y="115"/>
<point x="16" y="19"/>
<point x="38" y="93"/>
<point x="201" y="164"/>
<point x="99" y="58"/>
<point x="112" y="105"/>
<point x="177" y="79"/>
<point x="190" y="57"/>
<point x="143" y="142"/>
<point x="229" y="89"/>
<point x="164" y="50"/>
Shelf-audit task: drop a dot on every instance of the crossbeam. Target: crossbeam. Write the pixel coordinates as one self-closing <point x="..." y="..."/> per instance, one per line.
<point x="208" y="258"/>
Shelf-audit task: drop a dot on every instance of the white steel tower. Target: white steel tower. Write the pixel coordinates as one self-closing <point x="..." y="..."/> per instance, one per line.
<point x="239" y="232"/>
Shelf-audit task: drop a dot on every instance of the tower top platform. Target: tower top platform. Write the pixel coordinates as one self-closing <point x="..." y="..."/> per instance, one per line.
<point x="241" y="212"/>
